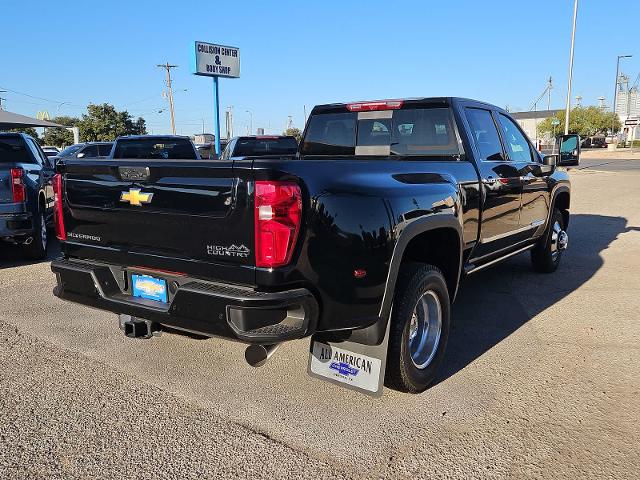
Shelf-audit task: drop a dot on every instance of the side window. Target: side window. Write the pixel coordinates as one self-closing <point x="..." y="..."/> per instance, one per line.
<point x="46" y="161"/>
<point x="228" y="150"/>
<point x="484" y="133"/>
<point x="224" y="154"/>
<point x="104" y="150"/>
<point x="516" y="144"/>
<point x="90" y="151"/>
<point x="40" y="158"/>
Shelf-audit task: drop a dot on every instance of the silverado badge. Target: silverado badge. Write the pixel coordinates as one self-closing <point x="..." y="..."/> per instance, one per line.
<point x="136" y="197"/>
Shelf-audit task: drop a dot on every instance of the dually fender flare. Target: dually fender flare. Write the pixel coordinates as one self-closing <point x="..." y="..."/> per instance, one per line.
<point x="562" y="188"/>
<point x="408" y="233"/>
<point x="374" y="334"/>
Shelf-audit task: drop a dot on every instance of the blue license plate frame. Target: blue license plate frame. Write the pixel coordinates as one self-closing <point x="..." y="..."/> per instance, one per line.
<point x="148" y="287"/>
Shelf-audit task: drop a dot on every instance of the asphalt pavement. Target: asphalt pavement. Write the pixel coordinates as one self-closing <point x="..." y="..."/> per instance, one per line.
<point x="622" y="161"/>
<point x="540" y="381"/>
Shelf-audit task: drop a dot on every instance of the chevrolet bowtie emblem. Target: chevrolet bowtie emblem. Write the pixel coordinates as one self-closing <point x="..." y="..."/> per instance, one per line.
<point x="136" y="197"/>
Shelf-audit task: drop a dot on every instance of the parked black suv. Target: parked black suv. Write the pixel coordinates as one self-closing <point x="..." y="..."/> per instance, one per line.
<point x="26" y="193"/>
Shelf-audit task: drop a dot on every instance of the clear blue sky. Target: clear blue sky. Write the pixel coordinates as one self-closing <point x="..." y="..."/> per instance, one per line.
<point x="305" y="53"/>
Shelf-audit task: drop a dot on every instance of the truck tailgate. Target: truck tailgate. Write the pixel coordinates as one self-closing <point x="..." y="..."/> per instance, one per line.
<point x="187" y="216"/>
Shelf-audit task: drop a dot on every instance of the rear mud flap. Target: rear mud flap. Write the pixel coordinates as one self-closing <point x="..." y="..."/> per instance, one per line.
<point x="349" y="364"/>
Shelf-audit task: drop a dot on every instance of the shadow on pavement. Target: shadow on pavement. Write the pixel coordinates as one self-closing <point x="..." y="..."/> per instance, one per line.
<point x="488" y="307"/>
<point x="11" y="255"/>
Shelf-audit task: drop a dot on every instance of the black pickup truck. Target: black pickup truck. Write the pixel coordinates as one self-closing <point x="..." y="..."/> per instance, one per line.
<point x="26" y="194"/>
<point x="362" y="238"/>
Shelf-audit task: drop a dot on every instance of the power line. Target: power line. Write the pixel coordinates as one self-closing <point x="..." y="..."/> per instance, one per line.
<point x="39" y="98"/>
<point x="128" y="104"/>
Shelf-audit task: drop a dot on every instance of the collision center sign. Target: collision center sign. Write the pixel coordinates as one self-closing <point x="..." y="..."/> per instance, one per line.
<point x="215" y="60"/>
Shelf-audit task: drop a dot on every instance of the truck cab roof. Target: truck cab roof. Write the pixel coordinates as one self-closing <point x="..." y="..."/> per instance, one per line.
<point x="413" y="101"/>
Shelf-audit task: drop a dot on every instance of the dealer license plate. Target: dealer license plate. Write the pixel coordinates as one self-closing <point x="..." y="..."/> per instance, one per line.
<point x="151" y="288"/>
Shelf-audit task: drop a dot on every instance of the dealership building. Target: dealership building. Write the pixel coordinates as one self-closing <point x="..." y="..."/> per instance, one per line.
<point x="529" y="122"/>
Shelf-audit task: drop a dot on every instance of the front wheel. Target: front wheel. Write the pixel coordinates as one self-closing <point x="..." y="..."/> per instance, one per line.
<point x="546" y="255"/>
<point x="420" y="323"/>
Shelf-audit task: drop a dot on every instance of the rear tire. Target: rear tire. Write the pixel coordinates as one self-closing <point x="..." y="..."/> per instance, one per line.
<point x="420" y="323"/>
<point x="37" y="249"/>
<point x="546" y="255"/>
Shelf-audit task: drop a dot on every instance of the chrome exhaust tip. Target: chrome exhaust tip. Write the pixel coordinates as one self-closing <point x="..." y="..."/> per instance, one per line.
<point x="28" y="241"/>
<point x="257" y="355"/>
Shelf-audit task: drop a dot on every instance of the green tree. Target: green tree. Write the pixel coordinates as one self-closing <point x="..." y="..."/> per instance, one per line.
<point x="60" y="137"/>
<point x="585" y="121"/>
<point x="294" y="132"/>
<point x="103" y="123"/>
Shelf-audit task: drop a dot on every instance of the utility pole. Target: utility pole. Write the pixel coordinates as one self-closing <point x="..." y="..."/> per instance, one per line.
<point x="534" y="105"/>
<point x="573" y="37"/>
<point x="1" y="99"/>
<point x="168" y="68"/>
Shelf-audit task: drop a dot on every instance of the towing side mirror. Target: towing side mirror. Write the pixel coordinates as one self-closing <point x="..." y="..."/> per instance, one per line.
<point x="569" y="149"/>
<point x="547" y="167"/>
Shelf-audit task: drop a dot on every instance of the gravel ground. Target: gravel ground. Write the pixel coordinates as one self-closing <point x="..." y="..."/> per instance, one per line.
<point x="541" y="381"/>
<point x="67" y="416"/>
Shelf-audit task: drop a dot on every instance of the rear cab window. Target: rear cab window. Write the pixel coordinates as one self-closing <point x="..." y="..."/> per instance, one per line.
<point x="14" y="150"/>
<point x="406" y="132"/>
<point x="155" y="148"/>
<point x="267" y="145"/>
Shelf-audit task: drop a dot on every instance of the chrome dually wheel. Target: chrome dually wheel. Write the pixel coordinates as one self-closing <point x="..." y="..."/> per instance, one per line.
<point x="425" y="329"/>
<point x="419" y="328"/>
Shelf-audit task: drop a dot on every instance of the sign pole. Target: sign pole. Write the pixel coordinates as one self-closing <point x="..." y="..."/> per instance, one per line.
<point x="216" y="114"/>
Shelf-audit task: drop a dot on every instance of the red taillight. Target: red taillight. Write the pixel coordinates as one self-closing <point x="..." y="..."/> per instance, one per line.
<point x="374" y="106"/>
<point x="18" y="190"/>
<point x="58" y="218"/>
<point x="278" y="213"/>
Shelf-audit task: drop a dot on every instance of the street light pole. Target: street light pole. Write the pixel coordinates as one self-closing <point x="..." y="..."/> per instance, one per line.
<point x="573" y="37"/>
<point x="250" y="122"/>
<point x="615" y="91"/>
<point x="58" y="107"/>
